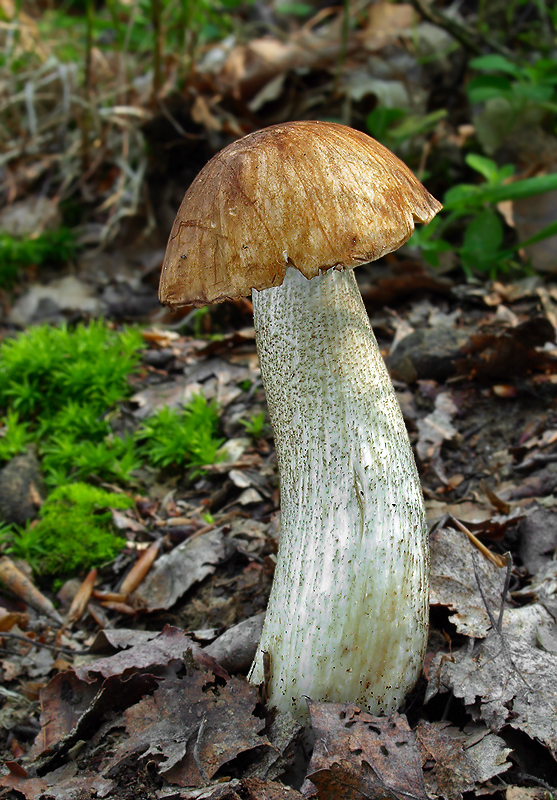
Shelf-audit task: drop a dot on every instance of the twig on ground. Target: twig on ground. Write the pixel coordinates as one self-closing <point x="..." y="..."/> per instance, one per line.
<point x="499" y="561"/>
<point x="472" y="40"/>
<point x="35" y="643"/>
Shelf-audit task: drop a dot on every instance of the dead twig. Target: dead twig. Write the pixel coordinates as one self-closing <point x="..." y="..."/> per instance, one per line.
<point x="470" y="39"/>
<point x="505" y="590"/>
<point x="18" y="583"/>
<point x="499" y="561"/>
<point x="57" y="648"/>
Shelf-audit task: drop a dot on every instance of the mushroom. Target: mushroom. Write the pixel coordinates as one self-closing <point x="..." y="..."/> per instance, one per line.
<point x="286" y="213"/>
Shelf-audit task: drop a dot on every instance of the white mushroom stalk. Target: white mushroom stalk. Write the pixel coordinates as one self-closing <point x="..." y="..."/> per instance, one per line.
<point x="347" y="619"/>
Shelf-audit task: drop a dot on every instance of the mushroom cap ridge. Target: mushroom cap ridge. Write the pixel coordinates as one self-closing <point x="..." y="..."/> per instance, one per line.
<point x="312" y="195"/>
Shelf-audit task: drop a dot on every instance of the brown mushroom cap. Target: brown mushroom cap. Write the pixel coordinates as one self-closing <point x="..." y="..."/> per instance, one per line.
<point x="311" y="195"/>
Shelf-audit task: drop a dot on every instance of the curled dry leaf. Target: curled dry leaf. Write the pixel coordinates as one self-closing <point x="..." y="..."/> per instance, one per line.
<point x="235" y="648"/>
<point x="82" y="597"/>
<point x="457" y="761"/>
<point x="357" y="755"/>
<point x="513" y="682"/>
<point x="436" y="428"/>
<point x="140" y="569"/>
<point x="175" y="572"/>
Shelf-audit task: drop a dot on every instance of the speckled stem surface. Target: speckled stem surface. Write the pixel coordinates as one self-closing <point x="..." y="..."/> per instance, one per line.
<point x="348" y="614"/>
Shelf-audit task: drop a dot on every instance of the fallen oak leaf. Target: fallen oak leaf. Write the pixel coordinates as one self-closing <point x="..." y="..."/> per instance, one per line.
<point x="79" y="697"/>
<point x="357" y="755"/>
<point x="456" y="761"/>
<point x="192" y="726"/>
<point x="513" y="682"/>
<point x="454" y="583"/>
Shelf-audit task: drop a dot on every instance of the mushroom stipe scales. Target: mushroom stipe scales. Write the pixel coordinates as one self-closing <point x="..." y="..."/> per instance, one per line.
<point x="285" y="214"/>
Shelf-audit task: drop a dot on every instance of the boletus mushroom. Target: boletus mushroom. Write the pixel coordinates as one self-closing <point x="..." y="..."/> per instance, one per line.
<point x="286" y="213"/>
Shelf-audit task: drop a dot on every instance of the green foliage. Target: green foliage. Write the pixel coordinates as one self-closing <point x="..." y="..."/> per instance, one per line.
<point x="14" y="436"/>
<point x="186" y="437"/>
<point x="111" y="458"/>
<point x="520" y="85"/>
<point x="49" y="371"/>
<point x="296" y="9"/>
<point x="481" y="247"/>
<point x="507" y="96"/>
<point x="255" y="426"/>
<point x="7" y="532"/>
<point x="74" y="532"/>
<point x="197" y="320"/>
<point x="394" y="126"/>
<point x="56" y="387"/>
<point x="504" y="94"/>
<point x="122" y="26"/>
<point x="51" y="247"/>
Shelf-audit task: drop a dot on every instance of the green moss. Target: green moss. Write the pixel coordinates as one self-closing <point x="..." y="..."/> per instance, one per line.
<point x="74" y="532"/>
<point x="186" y="437"/>
<point x="58" y="389"/>
<point x="46" y="368"/>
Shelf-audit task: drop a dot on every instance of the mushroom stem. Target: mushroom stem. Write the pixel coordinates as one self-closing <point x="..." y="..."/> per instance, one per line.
<point x="348" y="614"/>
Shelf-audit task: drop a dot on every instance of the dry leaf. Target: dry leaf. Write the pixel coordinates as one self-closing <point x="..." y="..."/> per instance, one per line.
<point x="457" y="761"/>
<point x="357" y="755"/>
<point x="175" y="572"/>
<point x="513" y="682"/>
<point x="453" y="582"/>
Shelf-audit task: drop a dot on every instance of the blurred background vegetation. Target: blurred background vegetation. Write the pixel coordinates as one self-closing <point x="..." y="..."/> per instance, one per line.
<point x="108" y="105"/>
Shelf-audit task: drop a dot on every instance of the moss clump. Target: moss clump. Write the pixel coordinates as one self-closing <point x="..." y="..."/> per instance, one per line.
<point x="74" y="533"/>
<point x="57" y="386"/>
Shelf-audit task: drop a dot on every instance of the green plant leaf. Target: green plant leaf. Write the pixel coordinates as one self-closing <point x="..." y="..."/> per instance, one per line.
<point x="546" y="233"/>
<point x="381" y="119"/>
<point x="482" y="241"/>
<point x="488" y="168"/>
<point x="496" y="63"/>
<point x="459" y="196"/>
<point x="486" y="87"/>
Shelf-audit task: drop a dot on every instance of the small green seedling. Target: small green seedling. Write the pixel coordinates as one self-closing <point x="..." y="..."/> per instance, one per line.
<point x="183" y="437"/>
<point x="255" y="426"/>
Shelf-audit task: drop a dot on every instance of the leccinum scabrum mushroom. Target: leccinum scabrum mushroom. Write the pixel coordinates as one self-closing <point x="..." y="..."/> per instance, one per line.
<point x="296" y="207"/>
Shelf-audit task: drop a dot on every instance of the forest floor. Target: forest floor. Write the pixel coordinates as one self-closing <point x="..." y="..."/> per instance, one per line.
<point x="124" y="715"/>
